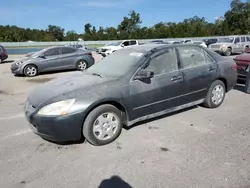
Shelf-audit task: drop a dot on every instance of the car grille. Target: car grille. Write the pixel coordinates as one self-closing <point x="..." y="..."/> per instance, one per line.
<point x="104" y="50"/>
<point x="215" y="46"/>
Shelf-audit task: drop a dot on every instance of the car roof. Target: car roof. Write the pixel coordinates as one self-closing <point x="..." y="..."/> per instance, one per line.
<point x="146" y="48"/>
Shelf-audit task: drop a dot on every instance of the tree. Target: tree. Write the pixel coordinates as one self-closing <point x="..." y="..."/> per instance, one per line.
<point x="56" y="32"/>
<point x="71" y="36"/>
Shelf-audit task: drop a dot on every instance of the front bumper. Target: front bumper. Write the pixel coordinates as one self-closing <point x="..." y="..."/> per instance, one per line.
<point x="17" y="70"/>
<point x="219" y="51"/>
<point x="57" y="128"/>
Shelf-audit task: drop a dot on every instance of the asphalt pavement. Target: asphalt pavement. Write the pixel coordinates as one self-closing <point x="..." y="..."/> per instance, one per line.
<point x="195" y="148"/>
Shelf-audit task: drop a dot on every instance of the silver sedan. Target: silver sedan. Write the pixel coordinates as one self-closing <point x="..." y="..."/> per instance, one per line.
<point x="53" y="59"/>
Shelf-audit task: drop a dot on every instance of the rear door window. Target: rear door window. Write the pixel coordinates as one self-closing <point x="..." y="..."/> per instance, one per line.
<point x="191" y="56"/>
<point x="248" y="39"/>
<point x="66" y="50"/>
<point x="243" y="39"/>
<point x="132" y="42"/>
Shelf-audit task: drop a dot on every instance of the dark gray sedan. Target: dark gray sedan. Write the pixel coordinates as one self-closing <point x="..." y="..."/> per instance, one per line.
<point x="53" y="59"/>
<point x="129" y="86"/>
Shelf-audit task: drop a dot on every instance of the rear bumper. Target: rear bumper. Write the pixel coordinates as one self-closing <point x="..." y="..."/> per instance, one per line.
<point x="3" y="57"/>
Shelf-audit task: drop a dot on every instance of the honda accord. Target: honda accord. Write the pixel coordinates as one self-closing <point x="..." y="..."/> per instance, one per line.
<point x="129" y="86"/>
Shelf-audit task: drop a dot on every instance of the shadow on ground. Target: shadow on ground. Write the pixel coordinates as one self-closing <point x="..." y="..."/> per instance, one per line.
<point x="8" y="61"/>
<point x="114" y="182"/>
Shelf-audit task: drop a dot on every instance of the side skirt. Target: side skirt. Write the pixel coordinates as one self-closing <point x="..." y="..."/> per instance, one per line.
<point x="167" y="111"/>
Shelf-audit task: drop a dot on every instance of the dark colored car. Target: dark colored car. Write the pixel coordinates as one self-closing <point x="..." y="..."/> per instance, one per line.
<point x="210" y="41"/>
<point x="53" y="59"/>
<point x="130" y="85"/>
<point x="3" y="54"/>
<point x="242" y="62"/>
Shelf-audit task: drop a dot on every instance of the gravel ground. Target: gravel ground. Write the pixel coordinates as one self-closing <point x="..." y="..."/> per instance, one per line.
<point x="197" y="147"/>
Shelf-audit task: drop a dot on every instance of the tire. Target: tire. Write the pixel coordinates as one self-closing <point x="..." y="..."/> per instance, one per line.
<point x="30" y="70"/>
<point x="210" y="101"/>
<point x="99" y="136"/>
<point x="81" y="65"/>
<point x="228" y="52"/>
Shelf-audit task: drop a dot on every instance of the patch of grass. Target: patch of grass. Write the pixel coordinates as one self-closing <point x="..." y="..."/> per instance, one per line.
<point x="39" y="80"/>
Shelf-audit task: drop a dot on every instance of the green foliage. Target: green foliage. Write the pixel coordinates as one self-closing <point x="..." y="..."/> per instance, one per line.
<point x="235" y="21"/>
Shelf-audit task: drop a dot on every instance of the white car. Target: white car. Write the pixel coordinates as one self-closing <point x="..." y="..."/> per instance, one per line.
<point x="117" y="46"/>
<point x="202" y="43"/>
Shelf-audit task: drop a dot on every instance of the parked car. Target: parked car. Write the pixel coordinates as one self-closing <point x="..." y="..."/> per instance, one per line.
<point x="242" y="61"/>
<point x="229" y="45"/>
<point x="53" y="59"/>
<point x="210" y="41"/>
<point x="117" y="46"/>
<point x="202" y="43"/>
<point x="99" y="49"/>
<point x="130" y="85"/>
<point x="3" y="54"/>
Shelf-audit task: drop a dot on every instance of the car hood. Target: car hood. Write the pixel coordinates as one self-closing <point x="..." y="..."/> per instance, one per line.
<point x="221" y="43"/>
<point x="25" y="60"/>
<point x="73" y="85"/>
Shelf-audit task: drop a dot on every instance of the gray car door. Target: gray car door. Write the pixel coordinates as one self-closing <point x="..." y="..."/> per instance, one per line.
<point x="68" y="57"/>
<point x="160" y="92"/>
<point x="199" y="70"/>
<point x="51" y="60"/>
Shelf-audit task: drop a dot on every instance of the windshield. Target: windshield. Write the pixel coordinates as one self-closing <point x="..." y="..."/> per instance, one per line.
<point x="116" y="44"/>
<point x="227" y="40"/>
<point x="38" y="53"/>
<point x="117" y="64"/>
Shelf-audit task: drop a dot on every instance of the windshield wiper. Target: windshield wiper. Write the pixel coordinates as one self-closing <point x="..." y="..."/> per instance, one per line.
<point x="95" y="74"/>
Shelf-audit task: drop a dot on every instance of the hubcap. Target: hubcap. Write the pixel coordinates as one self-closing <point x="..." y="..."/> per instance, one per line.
<point x="31" y="71"/>
<point x="105" y="126"/>
<point x="217" y="94"/>
<point x="82" y="65"/>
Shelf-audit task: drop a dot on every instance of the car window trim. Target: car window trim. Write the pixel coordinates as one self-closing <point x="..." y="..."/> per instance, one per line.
<point x="207" y="63"/>
<point x="161" y="51"/>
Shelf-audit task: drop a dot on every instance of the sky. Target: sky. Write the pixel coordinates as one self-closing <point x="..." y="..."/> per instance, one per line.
<point x="74" y="14"/>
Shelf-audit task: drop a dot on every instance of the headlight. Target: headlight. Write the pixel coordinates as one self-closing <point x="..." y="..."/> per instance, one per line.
<point x="223" y="46"/>
<point x="57" y="109"/>
<point x="19" y="62"/>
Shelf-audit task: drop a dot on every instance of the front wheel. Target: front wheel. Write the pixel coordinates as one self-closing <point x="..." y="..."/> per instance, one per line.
<point x="103" y="125"/>
<point x="228" y="52"/>
<point x="30" y="71"/>
<point x="216" y="95"/>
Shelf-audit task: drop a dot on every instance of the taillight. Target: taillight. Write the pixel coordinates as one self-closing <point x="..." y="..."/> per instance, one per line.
<point x="89" y="53"/>
<point x="235" y="66"/>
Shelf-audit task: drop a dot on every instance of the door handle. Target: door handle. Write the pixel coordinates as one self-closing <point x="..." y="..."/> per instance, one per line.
<point x="212" y="68"/>
<point x="176" y="78"/>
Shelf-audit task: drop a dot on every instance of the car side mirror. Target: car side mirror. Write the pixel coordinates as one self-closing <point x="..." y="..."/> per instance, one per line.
<point x="42" y="56"/>
<point x="122" y="45"/>
<point x="144" y="74"/>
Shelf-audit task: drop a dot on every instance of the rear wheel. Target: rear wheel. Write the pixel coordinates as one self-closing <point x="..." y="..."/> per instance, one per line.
<point x="216" y="95"/>
<point x="30" y="71"/>
<point x="82" y="65"/>
<point x="103" y="125"/>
